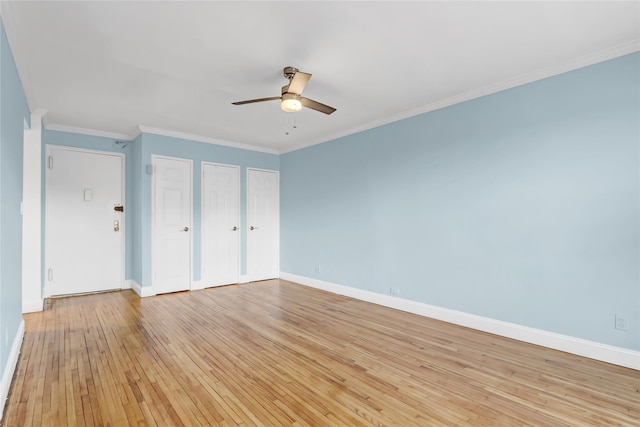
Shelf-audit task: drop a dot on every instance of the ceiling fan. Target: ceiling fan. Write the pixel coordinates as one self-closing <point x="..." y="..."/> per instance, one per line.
<point x="291" y="99"/>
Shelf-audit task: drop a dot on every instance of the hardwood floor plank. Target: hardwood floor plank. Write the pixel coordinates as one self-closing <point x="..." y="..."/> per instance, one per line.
<point x="275" y="353"/>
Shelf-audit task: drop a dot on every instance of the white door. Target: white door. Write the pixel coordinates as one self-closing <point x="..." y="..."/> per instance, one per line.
<point x="84" y="231"/>
<point x="220" y="224"/>
<point x="171" y="257"/>
<point x="263" y="225"/>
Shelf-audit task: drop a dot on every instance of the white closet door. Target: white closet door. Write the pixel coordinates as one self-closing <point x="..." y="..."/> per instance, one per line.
<point x="263" y="225"/>
<point x="220" y="224"/>
<point x="172" y="188"/>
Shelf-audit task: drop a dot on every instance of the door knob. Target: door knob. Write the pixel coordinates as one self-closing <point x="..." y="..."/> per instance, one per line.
<point x="234" y="228"/>
<point x="185" y="229"/>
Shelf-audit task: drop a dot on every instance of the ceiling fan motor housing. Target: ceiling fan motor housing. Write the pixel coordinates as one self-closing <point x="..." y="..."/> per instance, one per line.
<point x="289" y="72"/>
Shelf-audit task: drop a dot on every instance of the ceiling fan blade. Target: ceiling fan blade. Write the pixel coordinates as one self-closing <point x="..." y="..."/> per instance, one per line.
<point x="314" y="105"/>
<point x="298" y="82"/>
<point x="251" y="101"/>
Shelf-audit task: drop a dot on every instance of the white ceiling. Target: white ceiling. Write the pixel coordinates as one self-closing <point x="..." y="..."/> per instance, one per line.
<point x="114" y="68"/>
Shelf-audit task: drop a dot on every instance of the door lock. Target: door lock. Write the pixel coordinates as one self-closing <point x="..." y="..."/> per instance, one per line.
<point x="116" y="225"/>
<point x="118" y="208"/>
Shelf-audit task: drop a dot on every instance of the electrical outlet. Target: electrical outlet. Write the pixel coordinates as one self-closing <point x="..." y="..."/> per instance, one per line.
<point x="621" y="323"/>
<point x="394" y="291"/>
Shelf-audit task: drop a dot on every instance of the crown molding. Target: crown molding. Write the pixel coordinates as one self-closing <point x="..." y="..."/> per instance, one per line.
<point x="574" y="64"/>
<point x="543" y="73"/>
<point x="205" y="139"/>
<point x="155" y="131"/>
<point x="92" y="132"/>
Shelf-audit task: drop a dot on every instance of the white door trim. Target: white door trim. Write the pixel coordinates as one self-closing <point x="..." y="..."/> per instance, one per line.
<point x="154" y="157"/>
<point x="247" y="277"/>
<point x="123" y="222"/>
<point x="32" y="244"/>
<point x="202" y="214"/>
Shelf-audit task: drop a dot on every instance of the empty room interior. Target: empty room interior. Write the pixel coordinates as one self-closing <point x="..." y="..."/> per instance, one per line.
<point x="331" y="213"/>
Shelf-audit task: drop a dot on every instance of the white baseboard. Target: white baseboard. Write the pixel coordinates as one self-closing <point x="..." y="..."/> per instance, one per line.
<point x="591" y="349"/>
<point x="143" y="292"/>
<point x="128" y="284"/>
<point x="197" y="285"/>
<point x="10" y="367"/>
<point x="247" y="278"/>
<point x="32" y="305"/>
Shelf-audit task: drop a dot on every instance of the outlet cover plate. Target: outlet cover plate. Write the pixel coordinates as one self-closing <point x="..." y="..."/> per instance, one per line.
<point x="621" y="323"/>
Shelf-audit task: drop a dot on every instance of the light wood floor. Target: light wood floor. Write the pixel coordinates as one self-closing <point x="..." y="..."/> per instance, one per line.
<point x="276" y="353"/>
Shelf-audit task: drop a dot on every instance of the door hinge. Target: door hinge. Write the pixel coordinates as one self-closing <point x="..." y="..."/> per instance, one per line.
<point x="50" y="162"/>
<point x="50" y="275"/>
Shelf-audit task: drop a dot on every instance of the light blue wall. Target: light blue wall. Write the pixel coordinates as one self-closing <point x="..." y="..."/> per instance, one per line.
<point x="521" y="206"/>
<point x="102" y="144"/>
<point x="13" y="113"/>
<point x="198" y="152"/>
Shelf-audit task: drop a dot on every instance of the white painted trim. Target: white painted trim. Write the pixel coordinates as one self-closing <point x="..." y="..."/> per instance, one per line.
<point x="32" y="217"/>
<point x="128" y="284"/>
<point x="197" y="285"/>
<point x="571" y="65"/>
<point x="87" y="150"/>
<point x="92" y="132"/>
<point x="576" y="63"/>
<point x="593" y="350"/>
<point x="206" y="139"/>
<point x="32" y="305"/>
<point x="36" y="118"/>
<point x="10" y="367"/>
<point x="247" y="278"/>
<point x="136" y="288"/>
<point x="143" y="292"/>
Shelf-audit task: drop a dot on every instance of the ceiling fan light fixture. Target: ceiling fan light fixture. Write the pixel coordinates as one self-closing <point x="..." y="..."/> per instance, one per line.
<point x="291" y="103"/>
<point x="291" y="100"/>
